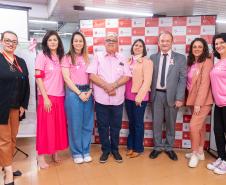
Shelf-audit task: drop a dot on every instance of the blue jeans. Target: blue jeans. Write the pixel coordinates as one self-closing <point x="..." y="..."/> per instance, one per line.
<point x="136" y="125"/>
<point x="80" y="119"/>
<point x="109" y="117"/>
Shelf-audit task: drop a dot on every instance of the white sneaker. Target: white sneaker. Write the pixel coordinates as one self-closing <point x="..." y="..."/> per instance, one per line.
<point x="194" y="160"/>
<point x="214" y="165"/>
<point x="200" y="156"/>
<point x="78" y="160"/>
<point x="87" y="159"/>
<point x="221" y="169"/>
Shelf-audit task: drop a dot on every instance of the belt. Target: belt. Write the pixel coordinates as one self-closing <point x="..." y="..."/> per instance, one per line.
<point x="161" y="90"/>
<point x="83" y="87"/>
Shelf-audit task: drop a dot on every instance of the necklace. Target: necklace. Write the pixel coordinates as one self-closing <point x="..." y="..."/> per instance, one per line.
<point x="12" y="65"/>
<point x="138" y="58"/>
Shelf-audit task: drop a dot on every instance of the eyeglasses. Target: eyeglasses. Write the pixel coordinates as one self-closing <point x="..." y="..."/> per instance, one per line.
<point x="8" y="41"/>
<point x="110" y="40"/>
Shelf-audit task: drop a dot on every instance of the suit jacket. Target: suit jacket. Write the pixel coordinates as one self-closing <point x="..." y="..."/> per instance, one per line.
<point x="142" y="77"/>
<point x="175" y="80"/>
<point x="200" y="91"/>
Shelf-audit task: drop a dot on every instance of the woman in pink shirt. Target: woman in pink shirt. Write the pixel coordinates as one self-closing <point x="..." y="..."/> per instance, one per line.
<point x="137" y="95"/>
<point x="51" y="118"/>
<point x="79" y="101"/>
<point x="199" y="97"/>
<point x="218" y="82"/>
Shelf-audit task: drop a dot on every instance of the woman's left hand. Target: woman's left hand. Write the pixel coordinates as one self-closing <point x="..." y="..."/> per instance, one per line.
<point x="21" y="111"/>
<point x="196" y="109"/>
<point x="88" y="94"/>
<point x="138" y="102"/>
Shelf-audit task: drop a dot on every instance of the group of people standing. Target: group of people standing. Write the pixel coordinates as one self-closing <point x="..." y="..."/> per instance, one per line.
<point x="69" y="84"/>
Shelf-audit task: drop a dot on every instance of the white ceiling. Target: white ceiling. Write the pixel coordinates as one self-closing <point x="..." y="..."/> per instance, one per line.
<point x="34" y="1"/>
<point x="62" y="10"/>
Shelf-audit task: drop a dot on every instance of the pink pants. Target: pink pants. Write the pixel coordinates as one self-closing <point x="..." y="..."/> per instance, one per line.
<point x="198" y="127"/>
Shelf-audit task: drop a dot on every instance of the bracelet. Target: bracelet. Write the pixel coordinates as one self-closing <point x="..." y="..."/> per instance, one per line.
<point x="116" y="84"/>
<point x="79" y="93"/>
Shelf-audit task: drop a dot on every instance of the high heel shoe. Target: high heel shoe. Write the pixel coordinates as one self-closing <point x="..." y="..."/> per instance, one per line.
<point x="129" y="152"/>
<point x="17" y="173"/>
<point x="11" y="183"/>
<point x="42" y="165"/>
<point x="134" y="154"/>
<point x="55" y="158"/>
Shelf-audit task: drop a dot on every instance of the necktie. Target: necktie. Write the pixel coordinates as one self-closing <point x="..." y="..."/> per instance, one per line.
<point x="162" y="82"/>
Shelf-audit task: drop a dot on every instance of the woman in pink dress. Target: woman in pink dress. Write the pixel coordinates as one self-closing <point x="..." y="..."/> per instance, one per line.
<point x="51" y="119"/>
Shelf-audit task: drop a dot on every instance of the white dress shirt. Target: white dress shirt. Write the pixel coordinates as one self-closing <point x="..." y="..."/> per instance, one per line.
<point x="158" y="86"/>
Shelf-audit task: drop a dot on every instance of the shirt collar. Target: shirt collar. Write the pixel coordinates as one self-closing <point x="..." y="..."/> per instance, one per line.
<point x="169" y="53"/>
<point x="116" y="55"/>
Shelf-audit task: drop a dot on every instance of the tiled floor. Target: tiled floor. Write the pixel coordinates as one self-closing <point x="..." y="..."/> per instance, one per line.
<point x="137" y="171"/>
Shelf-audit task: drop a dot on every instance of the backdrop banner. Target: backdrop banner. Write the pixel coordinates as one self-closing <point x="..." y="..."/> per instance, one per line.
<point x="184" y="30"/>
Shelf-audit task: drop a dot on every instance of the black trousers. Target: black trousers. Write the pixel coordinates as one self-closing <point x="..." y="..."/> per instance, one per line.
<point x="109" y="121"/>
<point x="220" y="130"/>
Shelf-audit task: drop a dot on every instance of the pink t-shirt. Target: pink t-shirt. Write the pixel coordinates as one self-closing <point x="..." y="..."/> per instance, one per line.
<point x="191" y="71"/>
<point x="110" y="68"/>
<point x="218" y="83"/>
<point x="77" y="71"/>
<point x="129" y="95"/>
<point x="53" y="78"/>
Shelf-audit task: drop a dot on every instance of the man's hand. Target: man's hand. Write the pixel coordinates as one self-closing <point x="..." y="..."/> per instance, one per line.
<point x="112" y="93"/>
<point x="108" y="87"/>
<point x="179" y="104"/>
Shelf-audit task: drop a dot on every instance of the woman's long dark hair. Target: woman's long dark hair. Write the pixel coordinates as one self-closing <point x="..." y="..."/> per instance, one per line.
<point x="144" y="47"/>
<point x="84" y="51"/>
<point x="218" y="36"/>
<point x="202" y="57"/>
<point x="45" y="48"/>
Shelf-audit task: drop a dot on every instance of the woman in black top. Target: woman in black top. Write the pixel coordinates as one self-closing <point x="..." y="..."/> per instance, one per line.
<point x="14" y="96"/>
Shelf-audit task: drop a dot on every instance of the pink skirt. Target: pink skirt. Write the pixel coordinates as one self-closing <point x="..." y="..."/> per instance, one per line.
<point x="51" y="126"/>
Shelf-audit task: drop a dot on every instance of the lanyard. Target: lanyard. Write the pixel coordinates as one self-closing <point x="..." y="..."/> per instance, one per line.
<point x="14" y="63"/>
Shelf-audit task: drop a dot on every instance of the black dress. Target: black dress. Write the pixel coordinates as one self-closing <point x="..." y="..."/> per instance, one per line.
<point x="14" y="88"/>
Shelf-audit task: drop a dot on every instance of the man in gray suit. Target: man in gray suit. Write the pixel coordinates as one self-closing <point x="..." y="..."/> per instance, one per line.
<point x="167" y="93"/>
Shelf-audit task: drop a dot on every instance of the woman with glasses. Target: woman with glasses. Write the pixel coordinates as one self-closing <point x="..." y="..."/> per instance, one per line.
<point x="51" y="118"/>
<point x="14" y="97"/>
<point x="137" y="96"/>
<point x="218" y="81"/>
